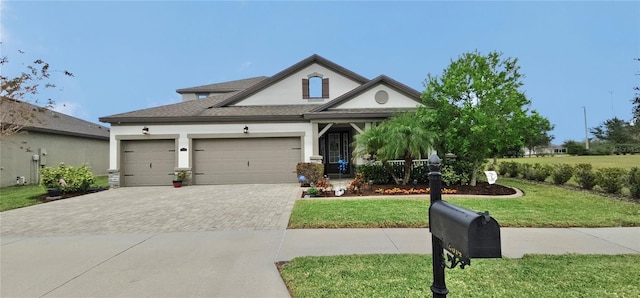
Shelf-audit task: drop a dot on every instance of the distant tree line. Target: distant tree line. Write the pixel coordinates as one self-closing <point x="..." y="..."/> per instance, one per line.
<point x="615" y="135"/>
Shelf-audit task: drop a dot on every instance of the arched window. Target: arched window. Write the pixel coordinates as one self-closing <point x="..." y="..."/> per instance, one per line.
<point x="315" y="87"/>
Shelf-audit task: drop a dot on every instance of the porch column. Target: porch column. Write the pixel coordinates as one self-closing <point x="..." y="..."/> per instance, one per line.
<point x="314" y="131"/>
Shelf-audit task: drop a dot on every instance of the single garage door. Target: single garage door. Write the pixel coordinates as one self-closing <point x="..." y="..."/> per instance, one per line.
<point x="147" y="162"/>
<point x="244" y="161"/>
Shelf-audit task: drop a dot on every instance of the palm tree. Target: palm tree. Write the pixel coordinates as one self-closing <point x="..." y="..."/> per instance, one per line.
<point x="404" y="136"/>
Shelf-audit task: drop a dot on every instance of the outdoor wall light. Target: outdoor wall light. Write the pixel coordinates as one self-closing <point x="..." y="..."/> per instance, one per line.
<point x="246" y="129"/>
<point x="145" y="130"/>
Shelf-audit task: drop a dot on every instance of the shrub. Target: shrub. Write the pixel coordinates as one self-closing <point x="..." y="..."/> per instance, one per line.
<point x="312" y="191"/>
<point x="375" y="172"/>
<point x="561" y="173"/>
<point x="527" y="171"/>
<point x="503" y="168"/>
<point x="358" y="183"/>
<point x="585" y="176"/>
<point x="541" y="172"/>
<point x="311" y="171"/>
<point x="420" y="173"/>
<point x="509" y="168"/>
<point x="75" y="179"/>
<point x="634" y="182"/>
<point x="451" y="177"/>
<point x="611" y="179"/>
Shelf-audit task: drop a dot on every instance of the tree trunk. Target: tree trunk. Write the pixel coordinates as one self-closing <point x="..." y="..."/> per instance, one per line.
<point x="408" y="164"/>
<point x="474" y="174"/>
<point x="393" y="174"/>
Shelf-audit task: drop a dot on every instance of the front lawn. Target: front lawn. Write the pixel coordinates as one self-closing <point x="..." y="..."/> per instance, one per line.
<point x="13" y="197"/>
<point x="541" y="206"/>
<point x="598" y="162"/>
<point x="411" y="276"/>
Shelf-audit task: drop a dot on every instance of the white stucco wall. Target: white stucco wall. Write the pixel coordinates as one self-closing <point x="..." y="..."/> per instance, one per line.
<point x="367" y="100"/>
<point x="289" y="90"/>
<point x="255" y="130"/>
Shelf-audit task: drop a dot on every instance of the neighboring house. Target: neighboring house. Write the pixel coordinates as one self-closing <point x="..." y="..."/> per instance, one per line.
<point x="47" y="139"/>
<point x="254" y="130"/>
<point x="546" y="150"/>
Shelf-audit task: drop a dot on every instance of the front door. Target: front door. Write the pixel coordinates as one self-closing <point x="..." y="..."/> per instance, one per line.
<point x="335" y="147"/>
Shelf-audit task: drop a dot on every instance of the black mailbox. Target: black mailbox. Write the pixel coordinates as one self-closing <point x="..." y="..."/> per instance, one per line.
<point x="465" y="233"/>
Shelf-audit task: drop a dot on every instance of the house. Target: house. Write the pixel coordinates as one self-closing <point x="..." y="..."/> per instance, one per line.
<point x="254" y="130"/>
<point x="47" y="138"/>
<point x="550" y="149"/>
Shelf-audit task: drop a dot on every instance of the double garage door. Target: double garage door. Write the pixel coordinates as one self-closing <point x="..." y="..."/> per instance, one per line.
<point x="214" y="161"/>
<point x="243" y="161"/>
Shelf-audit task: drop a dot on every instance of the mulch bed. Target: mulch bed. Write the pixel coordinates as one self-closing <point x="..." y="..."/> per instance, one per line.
<point x="482" y="188"/>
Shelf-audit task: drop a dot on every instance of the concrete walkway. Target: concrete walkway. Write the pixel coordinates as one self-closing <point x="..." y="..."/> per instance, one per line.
<point x="203" y="243"/>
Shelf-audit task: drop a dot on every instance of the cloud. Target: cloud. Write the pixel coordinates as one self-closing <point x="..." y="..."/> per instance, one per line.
<point x="244" y="66"/>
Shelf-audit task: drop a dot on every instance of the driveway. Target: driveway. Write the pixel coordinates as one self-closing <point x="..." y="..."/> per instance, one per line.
<point x="160" y="209"/>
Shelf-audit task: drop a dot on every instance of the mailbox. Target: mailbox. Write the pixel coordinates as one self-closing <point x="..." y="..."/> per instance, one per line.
<point x="465" y="233"/>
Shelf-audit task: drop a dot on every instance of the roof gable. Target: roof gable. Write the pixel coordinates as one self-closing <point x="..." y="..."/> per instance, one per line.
<point x="398" y="96"/>
<point x="307" y="63"/>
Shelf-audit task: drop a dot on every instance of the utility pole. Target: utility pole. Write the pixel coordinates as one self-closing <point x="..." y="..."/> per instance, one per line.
<point x="586" y="134"/>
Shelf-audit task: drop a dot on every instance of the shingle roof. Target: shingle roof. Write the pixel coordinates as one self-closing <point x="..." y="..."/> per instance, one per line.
<point x="46" y="120"/>
<point x="224" y="87"/>
<point x="204" y="110"/>
<point x="315" y="58"/>
<point x="219" y="108"/>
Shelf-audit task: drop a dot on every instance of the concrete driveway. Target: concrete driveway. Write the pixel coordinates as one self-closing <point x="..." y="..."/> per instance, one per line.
<point x="158" y="210"/>
<point x="196" y="241"/>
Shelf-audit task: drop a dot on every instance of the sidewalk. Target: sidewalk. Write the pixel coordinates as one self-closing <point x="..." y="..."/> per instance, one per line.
<point x="516" y="242"/>
<point x="236" y="263"/>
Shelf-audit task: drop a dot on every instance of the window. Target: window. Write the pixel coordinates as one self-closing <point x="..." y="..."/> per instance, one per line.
<point x="315" y="87"/>
<point x="334" y="147"/>
<point x="202" y="95"/>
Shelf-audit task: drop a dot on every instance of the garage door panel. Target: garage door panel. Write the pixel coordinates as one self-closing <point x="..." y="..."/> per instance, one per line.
<point x="241" y="161"/>
<point x="148" y="162"/>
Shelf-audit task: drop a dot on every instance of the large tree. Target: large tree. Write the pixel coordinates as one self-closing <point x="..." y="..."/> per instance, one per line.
<point x="19" y="95"/>
<point x="478" y="109"/>
<point x="537" y="132"/>
<point x="404" y="136"/>
<point x="615" y="131"/>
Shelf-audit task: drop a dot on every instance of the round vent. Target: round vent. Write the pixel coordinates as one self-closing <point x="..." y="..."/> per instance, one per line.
<point x="382" y="97"/>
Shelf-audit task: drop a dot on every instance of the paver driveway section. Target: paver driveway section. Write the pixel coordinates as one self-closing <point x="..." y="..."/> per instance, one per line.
<point x="158" y="210"/>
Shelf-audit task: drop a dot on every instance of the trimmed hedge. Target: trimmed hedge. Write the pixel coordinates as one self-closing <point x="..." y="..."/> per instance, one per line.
<point x="633" y="179"/>
<point x="611" y="179"/>
<point x="585" y="176"/>
<point x="312" y="172"/>
<point x="561" y="173"/>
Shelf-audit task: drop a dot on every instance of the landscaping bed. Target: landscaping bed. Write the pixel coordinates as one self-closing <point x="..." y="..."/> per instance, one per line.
<point x="482" y="188"/>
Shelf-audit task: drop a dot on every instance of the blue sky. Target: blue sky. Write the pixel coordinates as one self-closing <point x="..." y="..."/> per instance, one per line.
<point x="134" y="55"/>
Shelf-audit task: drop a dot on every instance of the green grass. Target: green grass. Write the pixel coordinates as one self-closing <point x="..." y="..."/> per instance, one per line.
<point x="411" y="276"/>
<point x="598" y="162"/>
<point x="606" y="161"/>
<point x="541" y="206"/>
<point x="13" y="197"/>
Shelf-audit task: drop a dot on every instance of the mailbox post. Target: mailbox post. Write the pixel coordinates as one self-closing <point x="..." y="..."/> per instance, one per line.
<point x="439" y="287"/>
<point x="464" y="233"/>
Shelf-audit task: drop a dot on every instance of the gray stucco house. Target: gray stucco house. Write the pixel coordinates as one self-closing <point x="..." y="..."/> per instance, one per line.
<point x="47" y="140"/>
<point x="254" y="130"/>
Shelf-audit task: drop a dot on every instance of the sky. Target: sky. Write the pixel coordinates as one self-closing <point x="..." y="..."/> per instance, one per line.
<point x="576" y="56"/>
